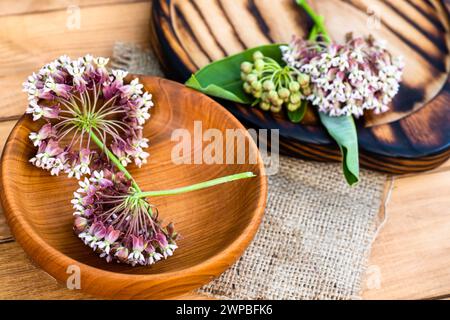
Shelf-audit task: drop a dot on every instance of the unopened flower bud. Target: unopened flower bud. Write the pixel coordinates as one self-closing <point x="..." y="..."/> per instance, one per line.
<point x="259" y="65"/>
<point x="306" y="91"/>
<point x="252" y="78"/>
<point x="246" y="67"/>
<point x="80" y="224"/>
<point x="273" y="95"/>
<point x="247" y="88"/>
<point x="276" y="108"/>
<point x="295" y="98"/>
<point x="257" y="94"/>
<point x="294" y="86"/>
<point x="122" y="254"/>
<point x="258" y="55"/>
<point x="268" y="85"/>
<point x="265" y="97"/>
<point x="170" y="229"/>
<point x="278" y="102"/>
<point x="265" y="106"/>
<point x="284" y="93"/>
<point x="293" y="107"/>
<point x="304" y="80"/>
<point x="257" y="86"/>
<point x="243" y="76"/>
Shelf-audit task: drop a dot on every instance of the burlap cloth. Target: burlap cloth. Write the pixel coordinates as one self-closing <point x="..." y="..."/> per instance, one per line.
<point x="317" y="232"/>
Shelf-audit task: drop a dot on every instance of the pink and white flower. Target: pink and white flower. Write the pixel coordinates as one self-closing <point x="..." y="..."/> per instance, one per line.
<point x="77" y="98"/>
<point x="347" y="79"/>
<point x="117" y="224"/>
<point x="46" y="131"/>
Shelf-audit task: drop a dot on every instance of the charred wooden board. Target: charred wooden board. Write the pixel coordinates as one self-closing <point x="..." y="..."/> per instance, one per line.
<point x="413" y="136"/>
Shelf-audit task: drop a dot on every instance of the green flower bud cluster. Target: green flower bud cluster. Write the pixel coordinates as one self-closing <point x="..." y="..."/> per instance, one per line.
<point x="272" y="85"/>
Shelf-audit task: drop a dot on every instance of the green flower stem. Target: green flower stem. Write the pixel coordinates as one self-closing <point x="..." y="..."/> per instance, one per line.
<point x="314" y="33"/>
<point x="197" y="186"/>
<point x="341" y="129"/>
<point x="140" y="194"/>
<point x="114" y="159"/>
<point x="318" y="20"/>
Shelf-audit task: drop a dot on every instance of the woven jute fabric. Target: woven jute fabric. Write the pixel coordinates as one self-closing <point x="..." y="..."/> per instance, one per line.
<point x="317" y="231"/>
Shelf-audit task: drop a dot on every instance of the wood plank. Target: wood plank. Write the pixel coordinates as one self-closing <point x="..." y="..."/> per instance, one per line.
<point x="20" y="279"/>
<point x="14" y="7"/>
<point x="412" y="254"/>
<point x="446" y="165"/>
<point x="5" y="233"/>
<point x="5" y="129"/>
<point x="29" y="41"/>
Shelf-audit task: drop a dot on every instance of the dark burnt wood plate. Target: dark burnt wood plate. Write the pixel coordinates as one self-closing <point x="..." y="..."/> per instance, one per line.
<point x="414" y="136"/>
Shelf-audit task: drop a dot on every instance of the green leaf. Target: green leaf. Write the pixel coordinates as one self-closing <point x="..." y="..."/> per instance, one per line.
<point x="222" y="78"/>
<point x="343" y="131"/>
<point x="298" y="115"/>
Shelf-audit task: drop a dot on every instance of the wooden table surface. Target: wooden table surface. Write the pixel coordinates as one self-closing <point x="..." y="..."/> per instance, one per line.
<point x="410" y="258"/>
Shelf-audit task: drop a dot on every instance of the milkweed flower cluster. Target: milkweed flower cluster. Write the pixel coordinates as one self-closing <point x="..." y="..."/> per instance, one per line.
<point x="80" y="103"/>
<point x="75" y="98"/>
<point x="272" y="85"/>
<point x="116" y="223"/>
<point x="347" y="79"/>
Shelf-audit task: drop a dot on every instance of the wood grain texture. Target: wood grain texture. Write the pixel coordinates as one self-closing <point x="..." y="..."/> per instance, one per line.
<point x="414" y="136"/>
<point x="216" y="225"/>
<point x="13" y="7"/>
<point x="412" y="252"/>
<point x="38" y="37"/>
<point x="21" y="279"/>
<point x="5" y="130"/>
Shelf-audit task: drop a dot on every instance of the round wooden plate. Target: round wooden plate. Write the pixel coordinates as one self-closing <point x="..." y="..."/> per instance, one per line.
<point x="414" y="136"/>
<point x="215" y="224"/>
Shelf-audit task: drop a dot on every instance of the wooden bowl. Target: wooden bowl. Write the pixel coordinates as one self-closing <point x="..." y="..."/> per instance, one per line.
<point x="216" y="224"/>
<point x="414" y="136"/>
